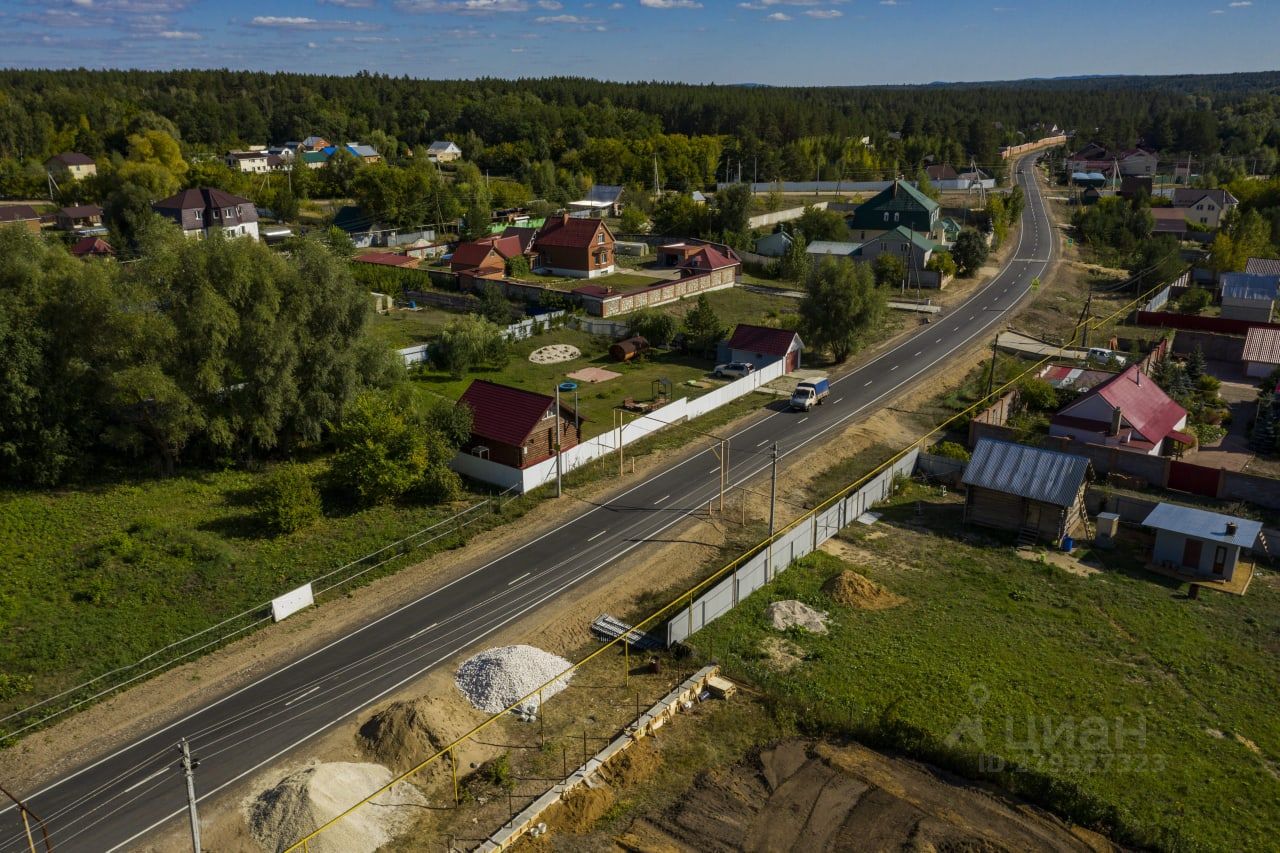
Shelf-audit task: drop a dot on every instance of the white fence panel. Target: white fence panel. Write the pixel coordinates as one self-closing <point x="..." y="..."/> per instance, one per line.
<point x="487" y="471"/>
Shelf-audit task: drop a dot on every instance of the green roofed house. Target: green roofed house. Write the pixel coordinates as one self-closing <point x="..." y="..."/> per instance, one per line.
<point x="314" y="159"/>
<point x="900" y="203"/>
<point x="914" y="248"/>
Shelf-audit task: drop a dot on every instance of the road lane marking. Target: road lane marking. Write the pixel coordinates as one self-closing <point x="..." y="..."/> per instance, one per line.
<point x="917" y="353"/>
<point x="763" y="443"/>
<point x="417" y="634"/>
<point x="517" y="580"/>
<point x="837" y="400"/>
<point x="971" y="316"/>
<point x="895" y="367"/>
<point x="603" y="532"/>
<point x="302" y="696"/>
<point x="155" y="775"/>
<point x="661" y="499"/>
<point x="802" y="420"/>
<point x="938" y="341"/>
<point x="868" y="382"/>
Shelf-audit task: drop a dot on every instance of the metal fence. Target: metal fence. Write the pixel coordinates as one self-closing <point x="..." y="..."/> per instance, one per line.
<point x="801" y="537"/>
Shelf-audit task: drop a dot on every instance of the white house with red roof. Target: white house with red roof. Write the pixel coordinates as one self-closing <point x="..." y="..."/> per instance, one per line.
<point x="761" y="345"/>
<point x="1129" y="411"/>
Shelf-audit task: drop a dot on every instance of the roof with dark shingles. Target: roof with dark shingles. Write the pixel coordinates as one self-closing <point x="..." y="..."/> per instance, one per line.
<point x="81" y="211"/>
<point x="762" y="339"/>
<point x="521" y="233"/>
<point x="202" y="198"/>
<point x="18" y="213"/>
<point x="72" y="158"/>
<point x="1048" y="476"/>
<point x="505" y="414"/>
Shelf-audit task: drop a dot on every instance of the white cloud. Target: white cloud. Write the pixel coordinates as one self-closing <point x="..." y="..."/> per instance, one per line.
<point x="297" y="22"/>
<point x="670" y="4"/>
<point x="550" y="5"/>
<point x="758" y="5"/>
<point x="1217" y="12"/>
<point x="824" y="14"/>
<point x="888" y="2"/>
<point x="348" y="4"/>
<point x="312" y="45"/>
<point x="84" y="4"/>
<point x="185" y="35"/>
<point x="1240" y="4"/>
<point x="567" y="19"/>
<point x="617" y="6"/>
<point x="778" y="16"/>
<point x="465" y="7"/>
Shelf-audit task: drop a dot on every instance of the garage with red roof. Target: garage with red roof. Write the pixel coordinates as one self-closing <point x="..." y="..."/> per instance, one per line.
<point x="761" y="345"/>
<point x="515" y="427"/>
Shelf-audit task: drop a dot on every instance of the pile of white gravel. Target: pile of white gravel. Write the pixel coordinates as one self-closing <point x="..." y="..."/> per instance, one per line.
<point x="302" y="801"/>
<point x="496" y="679"/>
<point x="796" y="614"/>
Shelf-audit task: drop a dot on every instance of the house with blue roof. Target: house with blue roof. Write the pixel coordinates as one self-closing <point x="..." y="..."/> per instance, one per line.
<point x="1200" y="544"/>
<point x="1249" y="296"/>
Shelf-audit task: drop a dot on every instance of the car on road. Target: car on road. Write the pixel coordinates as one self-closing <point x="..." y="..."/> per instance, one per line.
<point x="733" y="370"/>
<point x="1105" y="356"/>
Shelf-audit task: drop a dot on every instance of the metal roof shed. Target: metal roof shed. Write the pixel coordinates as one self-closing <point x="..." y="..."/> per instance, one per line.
<point x="1199" y="543"/>
<point x="1037" y="492"/>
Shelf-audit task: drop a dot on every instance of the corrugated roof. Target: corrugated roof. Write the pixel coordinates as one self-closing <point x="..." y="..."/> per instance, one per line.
<point x="831" y="247"/>
<point x="72" y="158"/>
<point x="1263" y="266"/>
<point x="471" y="254"/>
<point x="387" y="259"/>
<point x="605" y="192"/>
<point x="18" y="213"/>
<point x="81" y="211"/>
<point x="1189" y="197"/>
<point x="900" y="196"/>
<point x="505" y="414"/>
<point x="762" y="339"/>
<point x="1202" y="524"/>
<point x="92" y="246"/>
<point x="1262" y="345"/>
<point x="1244" y="285"/>
<point x="1048" y="476"/>
<point x="707" y="258"/>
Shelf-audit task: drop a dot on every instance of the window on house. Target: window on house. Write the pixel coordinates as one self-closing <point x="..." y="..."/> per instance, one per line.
<point x="886" y="216"/>
<point x="897" y="216"/>
<point x="600" y="237"/>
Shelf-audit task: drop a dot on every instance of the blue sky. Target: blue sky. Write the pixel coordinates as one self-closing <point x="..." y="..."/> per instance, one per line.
<point x="725" y="41"/>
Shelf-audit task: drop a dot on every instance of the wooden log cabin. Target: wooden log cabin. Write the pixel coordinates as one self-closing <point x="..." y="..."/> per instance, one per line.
<point x="1038" y="493"/>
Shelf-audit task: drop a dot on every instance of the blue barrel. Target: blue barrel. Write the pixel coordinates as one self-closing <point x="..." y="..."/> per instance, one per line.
<point x="1068" y="543"/>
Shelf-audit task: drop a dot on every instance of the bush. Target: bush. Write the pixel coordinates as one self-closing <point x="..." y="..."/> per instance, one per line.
<point x="951" y="450"/>
<point x="942" y="262"/>
<point x="1194" y="300"/>
<point x="1037" y="395"/>
<point x="289" y="499"/>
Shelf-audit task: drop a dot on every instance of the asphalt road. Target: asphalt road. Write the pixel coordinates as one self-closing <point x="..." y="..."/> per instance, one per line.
<point x="120" y="798"/>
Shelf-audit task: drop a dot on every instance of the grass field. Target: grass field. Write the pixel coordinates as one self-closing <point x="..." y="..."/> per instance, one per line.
<point x="1110" y="697"/>
<point x="401" y="329"/>
<point x="97" y="576"/>
<point x="596" y="401"/>
<point x="618" y="281"/>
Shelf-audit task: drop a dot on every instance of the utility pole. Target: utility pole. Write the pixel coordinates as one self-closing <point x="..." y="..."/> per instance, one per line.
<point x="188" y="768"/>
<point x="773" y="503"/>
<point x="991" y="375"/>
<point x="558" y="485"/>
<point x="27" y="816"/>
<point x="1085" y="316"/>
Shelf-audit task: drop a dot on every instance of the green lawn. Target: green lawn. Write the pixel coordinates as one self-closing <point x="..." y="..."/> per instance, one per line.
<point x="401" y="329"/>
<point x="618" y="281"/>
<point x="1111" y="698"/>
<point x="735" y="305"/>
<point x="596" y="401"/>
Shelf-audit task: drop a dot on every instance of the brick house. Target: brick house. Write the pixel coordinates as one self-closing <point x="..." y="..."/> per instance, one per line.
<point x="515" y="427"/>
<point x="577" y="248"/>
<point x="478" y="259"/>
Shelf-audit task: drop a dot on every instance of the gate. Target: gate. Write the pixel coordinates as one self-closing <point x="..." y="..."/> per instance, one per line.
<point x="1196" y="479"/>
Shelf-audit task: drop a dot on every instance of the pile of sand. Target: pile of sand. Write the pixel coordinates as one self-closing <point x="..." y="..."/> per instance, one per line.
<point x="796" y="614"/>
<point x="302" y="801"/>
<point x="496" y="679"/>
<point x="554" y="354"/>
<point x="403" y="734"/>
<point x="853" y="590"/>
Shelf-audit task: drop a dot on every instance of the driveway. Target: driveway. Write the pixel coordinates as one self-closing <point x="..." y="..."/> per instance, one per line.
<point x="1232" y="451"/>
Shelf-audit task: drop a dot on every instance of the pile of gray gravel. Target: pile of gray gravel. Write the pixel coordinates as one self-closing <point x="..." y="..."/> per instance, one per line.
<point x="496" y="679"/>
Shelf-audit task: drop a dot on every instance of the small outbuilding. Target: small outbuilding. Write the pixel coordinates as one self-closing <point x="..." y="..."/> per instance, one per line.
<point x="1199" y="543"/>
<point x="1261" y="351"/>
<point x="628" y="349"/>
<point x="1037" y="492"/>
<point x="1248" y="296"/>
<point x="761" y="345"/>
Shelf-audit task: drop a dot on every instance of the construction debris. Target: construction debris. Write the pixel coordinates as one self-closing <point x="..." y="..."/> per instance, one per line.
<point x="496" y="679"/>
<point x="606" y="629"/>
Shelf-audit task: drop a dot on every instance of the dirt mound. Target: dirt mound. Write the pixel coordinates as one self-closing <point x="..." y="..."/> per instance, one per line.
<point x="854" y="590"/>
<point x="633" y="765"/>
<point x="307" y="798"/>
<point x="796" y="614"/>
<point x="402" y="735"/>
<point x="581" y="808"/>
<point x="782" y="654"/>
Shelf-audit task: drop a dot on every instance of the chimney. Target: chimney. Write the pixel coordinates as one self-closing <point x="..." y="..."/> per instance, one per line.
<point x="1231" y="528"/>
<point x="564" y="219"/>
<point x="1137" y="377"/>
<point x="1115" y="421"/>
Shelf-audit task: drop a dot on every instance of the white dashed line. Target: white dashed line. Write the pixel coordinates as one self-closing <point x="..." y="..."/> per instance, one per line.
<point x="802" y="420"/>
<point x="299" y="696"/>
<point x="837" y="400"/>
<point x="155" y="775"/>
<point x="763" y="443"/>
<point x="517" y="580"/>
<point x="891" y="369"/>
<point x="661" y="499"/>
<point x="868" y="382"/>
<point x="416" y="634"/>
<point x="917" y="353"/>
<point x="603" y="532"/>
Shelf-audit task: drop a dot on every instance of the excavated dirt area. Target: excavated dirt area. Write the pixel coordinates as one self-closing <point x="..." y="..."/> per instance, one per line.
<point x="808" y="796"/>
<point x="853" y="590"/>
